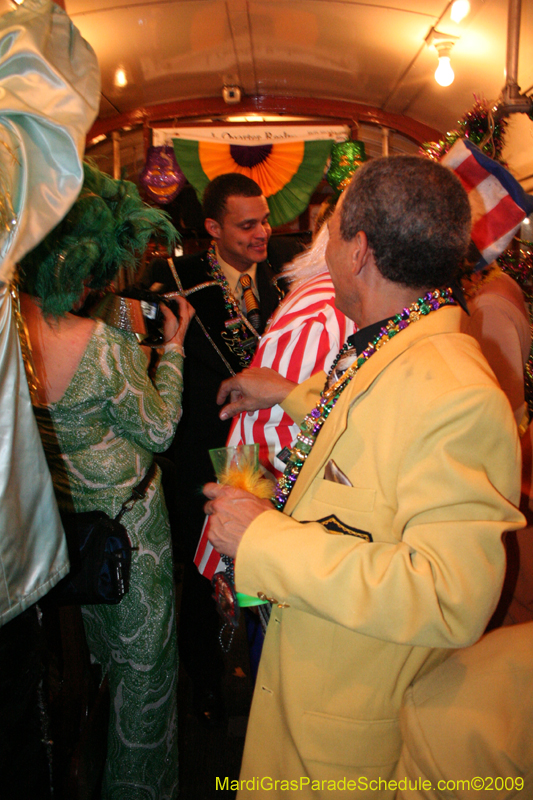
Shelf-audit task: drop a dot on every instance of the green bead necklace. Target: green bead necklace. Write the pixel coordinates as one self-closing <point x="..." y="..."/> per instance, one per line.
<point x="314" y="421"/>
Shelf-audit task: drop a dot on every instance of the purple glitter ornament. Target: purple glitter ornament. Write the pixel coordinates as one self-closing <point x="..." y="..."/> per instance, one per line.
<point x="161" y="177"/>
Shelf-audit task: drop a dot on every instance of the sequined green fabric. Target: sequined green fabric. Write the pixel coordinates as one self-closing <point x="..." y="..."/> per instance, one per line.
<point x="99" y="440"/>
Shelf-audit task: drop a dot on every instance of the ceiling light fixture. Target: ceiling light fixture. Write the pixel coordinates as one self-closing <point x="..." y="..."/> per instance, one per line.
<point x="121" y="79"/>
<point x="444" y="74"/>
<point x="443" y="43"/>
<point x="251" y="118"/>
<point x="460" y="10"/>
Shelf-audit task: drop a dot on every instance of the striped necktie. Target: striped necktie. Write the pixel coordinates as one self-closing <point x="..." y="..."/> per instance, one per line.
<point x="250" y="301"/>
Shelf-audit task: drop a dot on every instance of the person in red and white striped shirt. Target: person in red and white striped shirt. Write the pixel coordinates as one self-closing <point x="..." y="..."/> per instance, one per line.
<point x="303" y="337"/>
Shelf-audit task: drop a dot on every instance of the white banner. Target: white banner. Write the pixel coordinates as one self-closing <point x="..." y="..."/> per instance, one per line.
<point x="252" y="134"/>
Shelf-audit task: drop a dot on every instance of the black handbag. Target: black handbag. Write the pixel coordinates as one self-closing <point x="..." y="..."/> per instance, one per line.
<point x="100" y="554"/>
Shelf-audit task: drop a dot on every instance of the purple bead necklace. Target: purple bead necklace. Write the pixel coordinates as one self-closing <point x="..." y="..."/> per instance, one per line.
<point x="314" y="421"/>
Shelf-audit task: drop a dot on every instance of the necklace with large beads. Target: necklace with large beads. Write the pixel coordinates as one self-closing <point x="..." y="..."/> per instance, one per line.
<point x="220" y="278"/>
<point x="314" y="421"/>
<point x="236" y="335"/>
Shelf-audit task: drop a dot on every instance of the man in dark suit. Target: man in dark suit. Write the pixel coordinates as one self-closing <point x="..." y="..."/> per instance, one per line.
<point x="220" y="342"/>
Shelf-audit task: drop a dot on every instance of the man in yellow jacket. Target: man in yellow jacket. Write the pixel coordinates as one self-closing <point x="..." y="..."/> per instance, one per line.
<point x="383" y="550"/>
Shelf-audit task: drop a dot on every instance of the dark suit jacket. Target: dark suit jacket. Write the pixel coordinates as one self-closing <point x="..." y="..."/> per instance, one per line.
<point x="200" y="428"/>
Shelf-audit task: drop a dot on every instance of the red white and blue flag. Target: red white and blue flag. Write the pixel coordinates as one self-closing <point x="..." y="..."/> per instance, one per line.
<point x="498" y="202"/>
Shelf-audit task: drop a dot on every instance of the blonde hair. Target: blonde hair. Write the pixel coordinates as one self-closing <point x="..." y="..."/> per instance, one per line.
<point x="309" y="263"/>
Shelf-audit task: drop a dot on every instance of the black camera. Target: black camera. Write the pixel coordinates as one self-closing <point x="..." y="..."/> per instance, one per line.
<point x="150" y="303"/>
<point x="138" y="311"/>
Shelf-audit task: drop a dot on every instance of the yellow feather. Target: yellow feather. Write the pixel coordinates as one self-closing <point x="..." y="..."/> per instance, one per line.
<point x="249" y="479"/>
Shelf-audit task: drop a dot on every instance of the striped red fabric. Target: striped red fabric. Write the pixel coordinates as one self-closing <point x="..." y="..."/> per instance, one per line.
<point x="304" y="336"/>
<point x="470" y="173"/>
<point x="487" y="229"/>
<point x="498" y="202"/>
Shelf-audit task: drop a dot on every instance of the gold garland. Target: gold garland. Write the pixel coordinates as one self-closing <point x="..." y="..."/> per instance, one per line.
<point x="34" y="383"/>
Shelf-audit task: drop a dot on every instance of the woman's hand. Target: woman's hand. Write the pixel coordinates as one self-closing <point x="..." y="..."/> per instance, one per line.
<point x="174" y="330"/>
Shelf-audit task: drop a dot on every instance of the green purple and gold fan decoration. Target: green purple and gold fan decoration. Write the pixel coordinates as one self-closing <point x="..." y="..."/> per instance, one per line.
<point x="287" y="172"/>
<point x="346" y="158"/>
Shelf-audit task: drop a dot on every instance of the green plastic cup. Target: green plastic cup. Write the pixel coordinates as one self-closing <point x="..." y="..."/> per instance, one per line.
<point x="241" y="456"/>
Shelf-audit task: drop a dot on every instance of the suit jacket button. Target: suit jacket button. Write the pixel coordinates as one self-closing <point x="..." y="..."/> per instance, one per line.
<point x="283" y="605"/>
<point x="272" y="600"/>
<point x="262" y="596"/>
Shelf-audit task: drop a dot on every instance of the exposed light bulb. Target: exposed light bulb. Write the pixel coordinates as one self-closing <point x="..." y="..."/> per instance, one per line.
<point x="444" y="74"/>
<point x="460" y="9"/>
<point x="121" y="77"/>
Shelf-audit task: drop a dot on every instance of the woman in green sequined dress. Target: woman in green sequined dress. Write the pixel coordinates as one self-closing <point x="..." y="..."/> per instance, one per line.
<point x="101" y="417"/>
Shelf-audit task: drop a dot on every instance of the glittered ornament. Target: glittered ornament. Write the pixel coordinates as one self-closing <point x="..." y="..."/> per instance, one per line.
<point x="346" y="158"/>
<point x="161" y="177"/>
<point x="517" y="262"/>
<point x="479" y="126"/>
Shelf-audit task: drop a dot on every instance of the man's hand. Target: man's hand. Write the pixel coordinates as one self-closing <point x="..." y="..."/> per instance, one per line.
<point x="258" y="387"/>
<point x="231" y="511"/>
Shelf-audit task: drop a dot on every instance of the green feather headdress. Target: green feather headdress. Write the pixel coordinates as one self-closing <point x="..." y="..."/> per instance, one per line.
<point x="108" y="227"/>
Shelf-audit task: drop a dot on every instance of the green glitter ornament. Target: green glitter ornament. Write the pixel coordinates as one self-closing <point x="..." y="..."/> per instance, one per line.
<point x="346" y="158"/>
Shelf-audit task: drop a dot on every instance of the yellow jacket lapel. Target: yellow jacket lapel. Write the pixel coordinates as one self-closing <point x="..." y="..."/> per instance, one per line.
<point x="446" y="320"/>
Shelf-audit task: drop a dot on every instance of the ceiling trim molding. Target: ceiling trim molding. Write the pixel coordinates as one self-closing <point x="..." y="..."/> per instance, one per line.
<point x="341" y="110"/>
